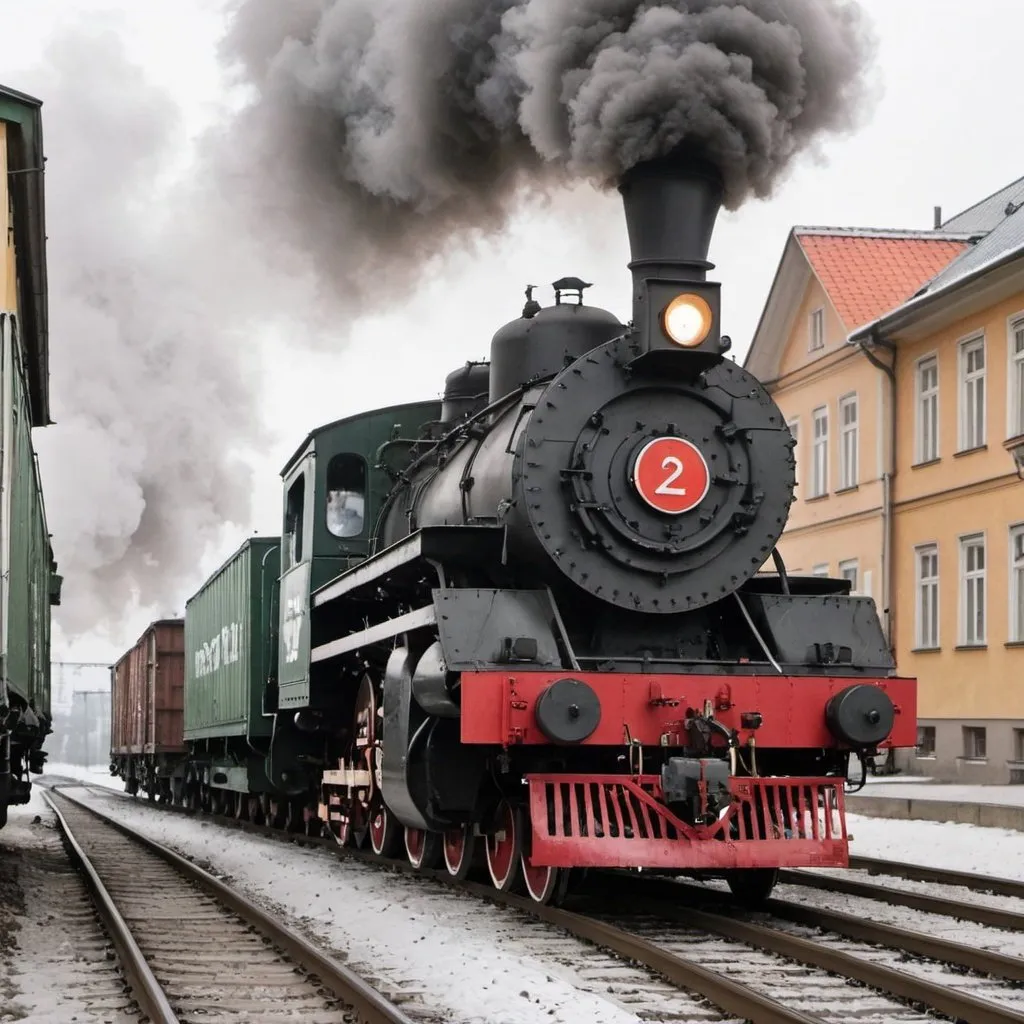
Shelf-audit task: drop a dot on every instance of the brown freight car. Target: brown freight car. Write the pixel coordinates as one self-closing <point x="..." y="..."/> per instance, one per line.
<point x="147" y="703"/>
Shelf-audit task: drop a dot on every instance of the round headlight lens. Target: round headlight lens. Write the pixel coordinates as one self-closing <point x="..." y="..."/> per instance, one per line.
<point x="687" y="320"/>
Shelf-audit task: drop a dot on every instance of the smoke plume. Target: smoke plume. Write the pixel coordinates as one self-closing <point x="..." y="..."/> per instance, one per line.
<point x="386" y="131"/>
<point x="151" y="388"/>
<point x="375" y="138"/>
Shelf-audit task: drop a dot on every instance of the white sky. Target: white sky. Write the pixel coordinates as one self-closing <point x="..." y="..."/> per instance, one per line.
<point x="944" y="132"/>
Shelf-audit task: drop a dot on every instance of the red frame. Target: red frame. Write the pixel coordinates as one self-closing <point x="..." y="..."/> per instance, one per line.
<point x="618" y="821"/>
<point x="498" y="707"/>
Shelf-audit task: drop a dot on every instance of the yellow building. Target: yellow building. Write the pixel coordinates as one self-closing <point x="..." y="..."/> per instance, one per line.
<point x="898" y="360"/>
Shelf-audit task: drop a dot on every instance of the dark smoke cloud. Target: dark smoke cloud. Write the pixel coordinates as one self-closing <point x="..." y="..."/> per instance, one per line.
<point x="385" y="132"/>
<point x="375" y="138"/>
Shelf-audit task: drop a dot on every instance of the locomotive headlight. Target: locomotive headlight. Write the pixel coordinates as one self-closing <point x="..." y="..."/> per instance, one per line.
<point x="687" y="320"/>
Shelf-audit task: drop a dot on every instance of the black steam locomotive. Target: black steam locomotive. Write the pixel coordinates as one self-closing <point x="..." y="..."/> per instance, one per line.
<point x="562" y="641"/>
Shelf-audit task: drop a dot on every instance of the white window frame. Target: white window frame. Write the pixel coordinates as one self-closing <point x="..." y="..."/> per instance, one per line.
<point x="924" y="452"/>
<point x="1014" y="377"/>
<point x="851" y="565"/>
<point x="923" y="641"/>
<point x="1016" y="631"/>
<point x="973" y="582"/>
<point x="816" y="329"/>
<point x="820" y="570"/>
<point x="819" y="467"/>
<point x="849" y="442"/>
<point x="976" y="380"/>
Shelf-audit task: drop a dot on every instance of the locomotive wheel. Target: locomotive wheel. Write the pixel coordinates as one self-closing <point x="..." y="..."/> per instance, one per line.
<point x="545" y="884"/>
<point x="752" y="886"/>
<point x="312" y="825"/>
<point x="384" y="836"/>
<point x="422" y="848"/>
<point x="504" y="848"/>
<point x="459" y="845"/>
<point x="255" y="811"/>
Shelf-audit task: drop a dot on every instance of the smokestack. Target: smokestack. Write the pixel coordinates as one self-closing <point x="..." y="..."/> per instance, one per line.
<point x="937" y="218"/>
<point x="671" y="206"/>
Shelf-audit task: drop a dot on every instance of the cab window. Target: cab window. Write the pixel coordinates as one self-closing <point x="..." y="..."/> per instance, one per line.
<point x="346" y="495"/>
<point x="293" y="521"/>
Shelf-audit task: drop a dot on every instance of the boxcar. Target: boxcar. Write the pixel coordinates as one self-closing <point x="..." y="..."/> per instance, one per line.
<point x="230" y="663"/>
<point x="147" y="710"/>
<point x="29" y="583"/>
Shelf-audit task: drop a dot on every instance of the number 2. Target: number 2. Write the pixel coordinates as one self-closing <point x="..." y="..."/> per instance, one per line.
<point x="665" y="487"/>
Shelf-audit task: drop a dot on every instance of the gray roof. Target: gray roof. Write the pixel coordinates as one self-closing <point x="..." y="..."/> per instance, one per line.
<point x="1006" y="237"/>
<point x="986" y="215"/>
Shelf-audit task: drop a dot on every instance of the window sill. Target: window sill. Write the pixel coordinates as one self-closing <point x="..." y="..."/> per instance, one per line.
<point x="925" y="650"/>
<point x="927" y="462"/>
<point x="848" y="490"/>
<point x="1014" y="643"/>
<point x="973" y="760"/>
<point x="816" y="497"/>
<point x="925" y="757"/>
<point x="970" y="451"/>
<point x="971" y="647"/>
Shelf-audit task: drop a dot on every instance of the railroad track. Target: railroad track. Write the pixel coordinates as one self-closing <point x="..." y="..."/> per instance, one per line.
<point x="956" y="980"/>
<point x="809" y="977"/>
<point x="194" y="949"/>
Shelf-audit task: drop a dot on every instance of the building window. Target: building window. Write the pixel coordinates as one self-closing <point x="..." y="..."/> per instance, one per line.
<point x="820" y="570"/>
<point x="1018" y="745"/>
<point x="849" y="571"/>
<point x="926" y="741"/>
<point x="927" y="615"/>
<point x="1016" y="346"/>
<point x="972" y="393"/>
<point x="1017" y="584"/>
<point x="848" y="442"/>
<point x="816" y="330"/>
<point x="819" y="474"/>
<point x="972" y="592"/>
<point x="346" y="495"/>
<point x="975" y="748"/>
<point x="928" y="409"/>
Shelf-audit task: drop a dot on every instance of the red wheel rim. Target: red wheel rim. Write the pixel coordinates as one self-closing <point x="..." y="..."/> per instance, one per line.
<point x="414" y="843"/>
<point x="540" y="881"/>
<point x="458" y="845"/>
<point x="503" y="849"/>
<point x="454" y="849"/>
<point x="378" y="828"/>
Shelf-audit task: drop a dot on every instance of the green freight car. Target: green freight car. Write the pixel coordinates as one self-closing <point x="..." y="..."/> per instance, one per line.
<point x="29" y="584"/>
<point x="230" y="666"/>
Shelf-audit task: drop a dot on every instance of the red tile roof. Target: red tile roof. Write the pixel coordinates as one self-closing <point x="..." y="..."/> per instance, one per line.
<point x="867" y="276"/>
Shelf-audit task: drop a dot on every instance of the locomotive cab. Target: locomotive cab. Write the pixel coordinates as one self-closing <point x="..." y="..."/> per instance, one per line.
<point x="334" y="487"/>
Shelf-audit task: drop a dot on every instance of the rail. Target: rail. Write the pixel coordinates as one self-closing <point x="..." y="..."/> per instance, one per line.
<point x="359" y="997"/>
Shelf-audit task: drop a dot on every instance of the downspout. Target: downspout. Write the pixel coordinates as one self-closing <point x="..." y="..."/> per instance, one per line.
<point x="889" y="369"/>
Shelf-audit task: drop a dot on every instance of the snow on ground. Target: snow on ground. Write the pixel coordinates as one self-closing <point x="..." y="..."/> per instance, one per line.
<point x="906" y="787"/>
<point x="459" y="953"/>
<point x="939" y="844"/>
<point x="95" y="775"/>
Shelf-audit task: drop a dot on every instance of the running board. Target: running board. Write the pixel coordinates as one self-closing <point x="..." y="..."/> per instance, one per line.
<point x="438" y="546"/>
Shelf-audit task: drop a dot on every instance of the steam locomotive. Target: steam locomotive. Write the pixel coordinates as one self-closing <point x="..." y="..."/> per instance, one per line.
<point x="531" y="625"/>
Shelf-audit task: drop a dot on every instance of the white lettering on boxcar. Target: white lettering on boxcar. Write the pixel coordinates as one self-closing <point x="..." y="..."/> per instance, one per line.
<point x="223" y="648"/>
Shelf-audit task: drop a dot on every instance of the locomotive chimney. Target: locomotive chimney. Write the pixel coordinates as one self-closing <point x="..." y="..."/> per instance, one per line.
<point x="671" y="205"/>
